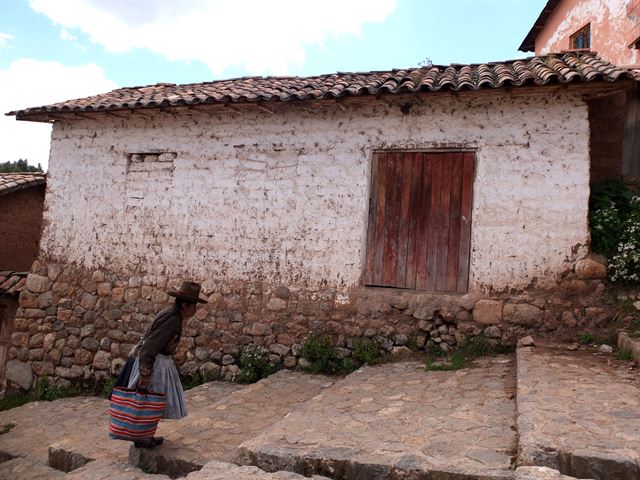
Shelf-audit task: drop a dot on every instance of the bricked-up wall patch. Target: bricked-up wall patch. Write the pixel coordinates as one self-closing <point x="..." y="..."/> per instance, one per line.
<point x="149" y="178"/>
<point x="151" y="157"/>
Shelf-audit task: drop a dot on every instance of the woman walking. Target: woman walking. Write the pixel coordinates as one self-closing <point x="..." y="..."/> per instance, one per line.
<point x="153" y="369"/>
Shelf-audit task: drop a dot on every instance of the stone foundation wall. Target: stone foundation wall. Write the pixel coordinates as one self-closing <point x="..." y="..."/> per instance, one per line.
<point x="80" y="325"/>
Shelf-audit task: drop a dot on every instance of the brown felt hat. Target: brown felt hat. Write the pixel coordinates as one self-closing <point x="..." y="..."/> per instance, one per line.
<point x="189" y="291"/>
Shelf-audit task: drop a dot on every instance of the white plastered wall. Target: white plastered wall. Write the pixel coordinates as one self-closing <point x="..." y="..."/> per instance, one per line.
<point x="283" y="198"/>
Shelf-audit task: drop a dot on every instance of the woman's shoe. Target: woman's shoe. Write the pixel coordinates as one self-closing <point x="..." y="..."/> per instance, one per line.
<point x="149" y="442"/>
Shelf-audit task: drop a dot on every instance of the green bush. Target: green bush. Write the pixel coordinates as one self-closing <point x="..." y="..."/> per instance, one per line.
<point x="624" y="354"/>
<point x="586" y="338"/>
<point x="320" y="352"/>
<point x="366" y="351"/>
<point x="254" y="365"/>
<point x="43" y="391"/>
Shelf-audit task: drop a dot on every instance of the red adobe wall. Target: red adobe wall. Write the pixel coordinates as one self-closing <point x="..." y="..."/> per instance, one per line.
<point x="614" y="25"/>
<point x="20" y="226"/>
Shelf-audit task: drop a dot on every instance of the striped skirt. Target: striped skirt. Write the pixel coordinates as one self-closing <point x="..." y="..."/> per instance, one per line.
<point x="164" y="379"/>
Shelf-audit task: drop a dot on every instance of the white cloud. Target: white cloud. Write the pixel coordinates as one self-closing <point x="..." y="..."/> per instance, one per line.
<point x="32" y="83"/>
<point x="67" y="35"/>
<point x="261" y="36"/>
<point x="5" y="38"/>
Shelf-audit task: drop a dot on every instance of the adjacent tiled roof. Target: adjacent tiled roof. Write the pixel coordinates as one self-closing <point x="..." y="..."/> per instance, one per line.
<point x="10" y="182"/>
<point x="550" y="69"/>
<point x="12" y="283"/>
<point x="529" y="43"/>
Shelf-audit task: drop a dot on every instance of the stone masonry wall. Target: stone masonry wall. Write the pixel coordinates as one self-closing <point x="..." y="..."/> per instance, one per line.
<point x="80" y="325"/>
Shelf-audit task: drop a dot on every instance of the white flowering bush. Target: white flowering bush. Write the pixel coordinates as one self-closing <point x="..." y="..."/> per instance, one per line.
<point x="624" y="265"/>
<point x="606" y="229"/>
<point x="254" y="365"/>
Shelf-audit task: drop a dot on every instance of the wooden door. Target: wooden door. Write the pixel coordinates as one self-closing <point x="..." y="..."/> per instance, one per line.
<point x="419" y="232"/>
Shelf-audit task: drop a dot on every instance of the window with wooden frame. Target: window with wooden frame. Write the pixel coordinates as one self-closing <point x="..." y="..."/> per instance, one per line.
<point x="419" y="231"/>
<point x="582" y="38"/>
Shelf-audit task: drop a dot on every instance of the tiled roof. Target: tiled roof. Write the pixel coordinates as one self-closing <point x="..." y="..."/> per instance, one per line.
<point x="550" y="69"/>
<point x="529" y="42"/>
<point x="10" y="182"/>
<point x="12" y="283"/>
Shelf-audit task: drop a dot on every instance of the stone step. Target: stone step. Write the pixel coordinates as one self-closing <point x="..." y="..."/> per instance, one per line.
<point x="541" y="473"/>
<point x="578" y="413"/>
<point x="398" y="421"/>
<point x="214" y="431"/>
<point x="20" y="468"/>
<point x="632" y="344"/>
<point x="107" y="470"/>
<point x="215" y="470"/>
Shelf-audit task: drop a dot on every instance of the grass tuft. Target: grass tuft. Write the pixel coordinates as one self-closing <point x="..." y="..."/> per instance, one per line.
<point x="463" y="356"/>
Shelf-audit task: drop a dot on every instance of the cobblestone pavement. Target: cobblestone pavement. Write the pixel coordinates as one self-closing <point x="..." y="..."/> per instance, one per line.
<point x="398" y="421"/>
<point x="214" y="432"/>
<point x="77" y="426"/>
<point x="578" y="413"/>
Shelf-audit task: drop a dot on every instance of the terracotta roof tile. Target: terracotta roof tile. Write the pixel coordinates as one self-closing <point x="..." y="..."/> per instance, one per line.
<point x="12" y="283"/>
<point x="571" y="67"/>
<point x="11" y="182"/>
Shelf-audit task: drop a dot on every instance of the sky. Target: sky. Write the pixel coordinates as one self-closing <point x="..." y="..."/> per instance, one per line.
<point x="55" y="50"/>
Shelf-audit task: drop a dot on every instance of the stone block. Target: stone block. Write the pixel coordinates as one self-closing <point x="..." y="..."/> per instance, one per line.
<point x="19" y="339"/>
<point x="45" y="300"/>
<point x="131" y="295"/>
<point x="523" y="314"/>
<point x="104" y="289"/>
<point x="83" y="357"/>
<point x="487" y="312"/>
<point x="90" y="343"/>
<point x="36" y="340"/>
<point x="38" y="283"/>
<point x="36" y="354"/>
<point x="87" y="331"/>
<point x="589" y="268"/>
<point x="53" y="271"/>
<point x="42" y="369"/>
<point x="492" y="332"/>
<point x="19" y="373"/>
<point x="102" y="360"/>
<point x="210" y="370"/>
<point x="28" y="299"/>
<point x="275" y="304"/>
<point x="258" y="329"/>
<point x="88" y="301"/>
<point x="279" y="349"/>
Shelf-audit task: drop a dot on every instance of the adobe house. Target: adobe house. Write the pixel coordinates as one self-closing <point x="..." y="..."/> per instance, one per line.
<point x="413" y="206"/>
<point x="612" y="29"/>
<point x="21" y="205"/>
<point x="11" y="284"/>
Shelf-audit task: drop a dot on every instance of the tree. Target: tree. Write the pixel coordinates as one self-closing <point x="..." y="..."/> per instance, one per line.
<point x="19" y="166"/>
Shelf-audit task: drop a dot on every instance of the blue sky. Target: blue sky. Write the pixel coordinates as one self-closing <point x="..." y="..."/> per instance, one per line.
<point x="52" y="50"/>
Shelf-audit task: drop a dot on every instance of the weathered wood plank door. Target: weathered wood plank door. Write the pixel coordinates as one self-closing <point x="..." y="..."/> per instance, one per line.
<point x="419" y="232"/>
